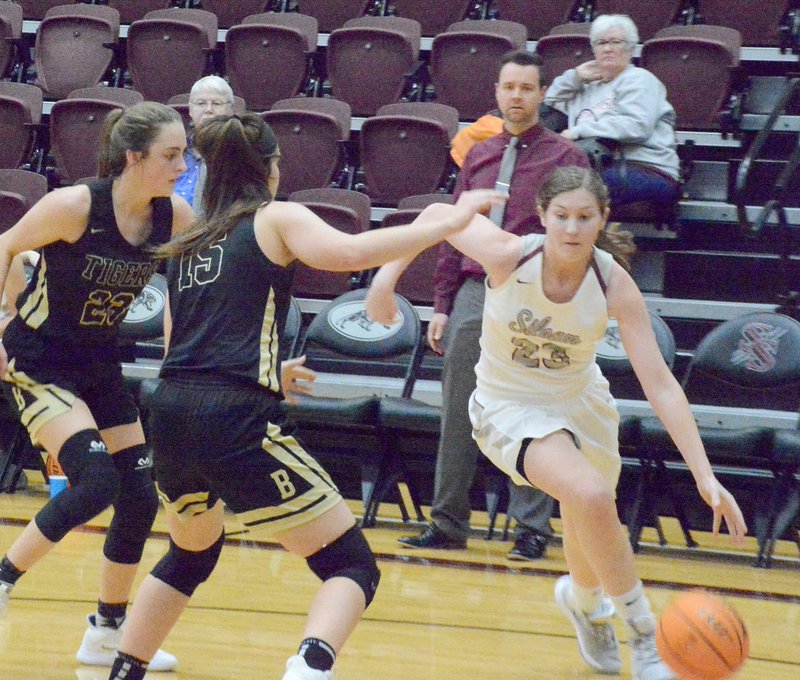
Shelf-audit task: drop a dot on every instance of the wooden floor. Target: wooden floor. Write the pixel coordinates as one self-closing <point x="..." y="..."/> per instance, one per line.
<point x="437" y="616"/>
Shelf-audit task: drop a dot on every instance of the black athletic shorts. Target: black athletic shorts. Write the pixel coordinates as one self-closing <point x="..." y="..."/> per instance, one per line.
<point x="215" y="440"/>
<point x="45" y="382"/>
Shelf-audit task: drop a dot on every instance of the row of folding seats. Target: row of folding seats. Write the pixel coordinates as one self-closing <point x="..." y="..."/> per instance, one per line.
<point x="368" y="61"/>
<point x="330" y="14"/>
<point x="696" y="63"/>
<point x="392" y="192"/>
<point x="130" y="10"/>
<point x="761" y="27"/>
<point x="73" y="129"/>
<point x="759" y="24"/>
<point x="402" y="151"/>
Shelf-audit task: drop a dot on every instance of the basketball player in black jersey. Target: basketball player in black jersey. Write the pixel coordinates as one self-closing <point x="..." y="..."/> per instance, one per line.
<point x="59" y="354"/>
<point x="216" y="428"/>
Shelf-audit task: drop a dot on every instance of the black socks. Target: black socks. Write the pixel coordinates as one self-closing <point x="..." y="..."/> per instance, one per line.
<point x="127" y="667"/>
<point x="318" y="654"/>
<point x="8" y="572"/>
<point x="110" y="615"/>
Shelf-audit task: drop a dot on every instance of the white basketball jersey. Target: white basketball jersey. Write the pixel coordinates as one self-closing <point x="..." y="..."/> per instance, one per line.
<point x="535" y="349"/>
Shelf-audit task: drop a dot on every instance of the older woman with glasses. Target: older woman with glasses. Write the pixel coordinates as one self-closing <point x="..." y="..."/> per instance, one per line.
<point x="210" y="96"/>
<point x="611" y="99"/>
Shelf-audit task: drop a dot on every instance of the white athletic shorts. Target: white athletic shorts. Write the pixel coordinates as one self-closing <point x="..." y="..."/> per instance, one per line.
<point x="500" y="427"/>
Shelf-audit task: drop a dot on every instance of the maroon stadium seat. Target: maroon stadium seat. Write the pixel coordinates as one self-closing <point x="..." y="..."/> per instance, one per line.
<point x="348" y="211"/>
<point x="311" y="133"/>
<point x="405" y="150"/>
<point x="19" y="190"/>
<point x="332" y="14"/>
<point x="538" y="16"/>
<point x="76" y="128"/>
<point x="563" y="48"/>
<point x="463" y="63"/>
<point x="75" y="47"/>
<point x="696" y="64"/>
<point x="10" y="32"/>
<point x="369" y="59"/>
<point x="433" y="22"/>
<point x="20" y="112"/>
<point x="758" y="22"/>
<point x="132" y="10"/>
<point x="36" y="9"/>
<point x="168" y="51"/>
<point x="232" y="12"/>
<point x="255" y="47"/>
<point x="416" y="283"/>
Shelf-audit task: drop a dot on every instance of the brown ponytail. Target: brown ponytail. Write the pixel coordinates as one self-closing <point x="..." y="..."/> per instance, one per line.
<point x="131" y="129"/>
<point x="238" y="151"/>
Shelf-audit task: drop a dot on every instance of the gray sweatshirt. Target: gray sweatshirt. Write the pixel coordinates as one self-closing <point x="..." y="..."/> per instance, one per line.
<point x="632" y="109"/>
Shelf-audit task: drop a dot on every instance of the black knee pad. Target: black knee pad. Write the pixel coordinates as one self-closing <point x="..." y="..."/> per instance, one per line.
<point x="184" y="570"/>
<point x="94" y="484"/>
<point x="135" y="507"/>
<point x="349" y="556"/>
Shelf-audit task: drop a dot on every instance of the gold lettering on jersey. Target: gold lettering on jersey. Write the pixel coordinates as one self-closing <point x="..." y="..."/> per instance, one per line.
<point x="106" y="271"/>
<point x="104" y="309"/>
<point x="533" y="355"/>
<point x="540" y="328"/>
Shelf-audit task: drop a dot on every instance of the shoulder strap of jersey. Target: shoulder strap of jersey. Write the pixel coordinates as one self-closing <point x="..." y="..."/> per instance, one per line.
<point x="101" y="210"/>
<point x="602" y="263"/>
<point x="532" y="245"/>
<point x="162" y="220"/>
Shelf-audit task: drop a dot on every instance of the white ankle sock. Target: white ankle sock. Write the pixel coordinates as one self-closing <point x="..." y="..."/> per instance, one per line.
<point x="585" y="599"/>
<point x="633" y="605"/>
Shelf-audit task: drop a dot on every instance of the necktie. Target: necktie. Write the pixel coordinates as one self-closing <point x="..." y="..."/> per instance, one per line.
<point x="504" y="179"/>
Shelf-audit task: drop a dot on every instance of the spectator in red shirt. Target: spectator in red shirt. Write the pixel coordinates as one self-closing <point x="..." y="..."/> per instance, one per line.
<point x="458" y="307"/>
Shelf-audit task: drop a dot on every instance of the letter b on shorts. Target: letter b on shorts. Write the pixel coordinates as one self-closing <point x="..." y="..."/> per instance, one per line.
<point x="284" y="484"/>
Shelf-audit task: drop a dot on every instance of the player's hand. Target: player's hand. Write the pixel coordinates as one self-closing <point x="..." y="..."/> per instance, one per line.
<point x="296" y="379"/>
<point x="478" y="201"/>
<point x="436" y="331"/>
<point x="380" y="303"/>
<point x="724" y="506"/>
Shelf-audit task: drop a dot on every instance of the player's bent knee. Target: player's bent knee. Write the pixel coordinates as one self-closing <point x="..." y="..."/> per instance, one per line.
<point x="349" y="556"/>
<point x="135" y="507"/>
<point x="94" y="484"/>
<point x="184" y="570"/>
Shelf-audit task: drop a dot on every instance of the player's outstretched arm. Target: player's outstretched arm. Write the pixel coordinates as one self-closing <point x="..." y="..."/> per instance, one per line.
<point x="668" y="400"/>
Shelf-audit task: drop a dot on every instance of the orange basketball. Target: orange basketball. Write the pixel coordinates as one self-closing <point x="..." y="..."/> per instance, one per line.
<point x="700" y="637"/>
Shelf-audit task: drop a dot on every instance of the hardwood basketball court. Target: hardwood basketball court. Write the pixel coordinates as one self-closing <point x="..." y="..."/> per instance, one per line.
<point x="438" y="615"/>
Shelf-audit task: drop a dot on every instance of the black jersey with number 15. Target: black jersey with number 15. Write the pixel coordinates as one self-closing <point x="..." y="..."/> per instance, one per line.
<point x="228" y="305"/>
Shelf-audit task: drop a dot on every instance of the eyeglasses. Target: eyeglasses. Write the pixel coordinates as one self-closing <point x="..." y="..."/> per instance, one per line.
<point x="612" y="42"/>
<point x="214" y="104"/>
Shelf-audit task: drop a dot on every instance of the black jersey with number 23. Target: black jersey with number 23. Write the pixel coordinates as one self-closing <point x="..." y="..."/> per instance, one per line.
<point x="80" y="292"/>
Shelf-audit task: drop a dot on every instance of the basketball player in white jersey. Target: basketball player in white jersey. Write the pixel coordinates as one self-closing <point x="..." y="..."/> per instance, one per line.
<point x="543" y="413"/>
